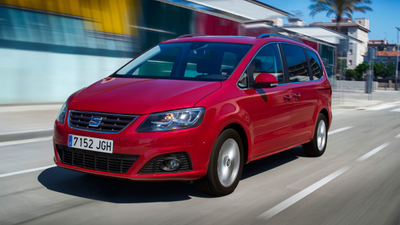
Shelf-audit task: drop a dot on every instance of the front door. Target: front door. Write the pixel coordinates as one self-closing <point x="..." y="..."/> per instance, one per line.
<point x="272" y="106"/>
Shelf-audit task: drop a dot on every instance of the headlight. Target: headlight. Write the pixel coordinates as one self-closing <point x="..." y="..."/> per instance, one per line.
<point x="172" y="120"/>
<point x="62" y="113"/>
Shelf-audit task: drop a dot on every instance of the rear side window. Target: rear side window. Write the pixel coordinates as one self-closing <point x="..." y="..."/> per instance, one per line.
<point x="297" y="63"/>
<point x="315" y="64"/>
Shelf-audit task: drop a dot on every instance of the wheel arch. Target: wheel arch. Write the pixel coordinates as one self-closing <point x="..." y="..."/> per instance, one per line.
<point x="326" y="114"/>
<point x="242" y="133"/>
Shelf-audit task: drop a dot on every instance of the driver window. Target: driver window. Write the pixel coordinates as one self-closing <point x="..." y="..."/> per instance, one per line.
<point x="268" y="60"/>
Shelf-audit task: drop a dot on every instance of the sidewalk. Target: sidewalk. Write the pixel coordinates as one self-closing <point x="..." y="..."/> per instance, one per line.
<point x="345" y="99"/>
<point x="27" y="121"/>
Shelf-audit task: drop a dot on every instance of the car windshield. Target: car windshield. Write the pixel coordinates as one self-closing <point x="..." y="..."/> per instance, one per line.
<point x="210" y="61"/>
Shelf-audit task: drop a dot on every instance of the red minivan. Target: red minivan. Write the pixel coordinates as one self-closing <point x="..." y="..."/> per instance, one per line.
<point x="198" y="108"/>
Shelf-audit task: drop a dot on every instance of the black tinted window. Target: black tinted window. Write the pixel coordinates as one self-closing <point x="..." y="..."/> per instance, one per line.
<point x="297" y="63"/>
<point x="268" y="60"/>
<point x="315" y="64"/>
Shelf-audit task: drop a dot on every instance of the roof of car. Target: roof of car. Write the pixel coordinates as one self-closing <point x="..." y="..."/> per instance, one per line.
<point x="231" y="39"/>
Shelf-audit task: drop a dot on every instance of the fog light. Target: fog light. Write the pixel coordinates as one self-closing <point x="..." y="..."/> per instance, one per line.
<point x="170" y="164"/>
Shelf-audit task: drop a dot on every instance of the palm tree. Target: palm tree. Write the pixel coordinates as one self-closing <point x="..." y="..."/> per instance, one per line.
<point x="339" y="8"/>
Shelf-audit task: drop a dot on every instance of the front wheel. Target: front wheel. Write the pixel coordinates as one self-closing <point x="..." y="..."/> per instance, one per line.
<point x="225" y="166"/>
<point x="316" y="147"/>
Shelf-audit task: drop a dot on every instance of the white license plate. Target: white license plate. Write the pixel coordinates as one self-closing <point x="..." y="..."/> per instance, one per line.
<point x="89" y="143"/>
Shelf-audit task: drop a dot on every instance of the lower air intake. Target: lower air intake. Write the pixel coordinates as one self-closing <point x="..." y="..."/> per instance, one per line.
<point x="113" y="163"/>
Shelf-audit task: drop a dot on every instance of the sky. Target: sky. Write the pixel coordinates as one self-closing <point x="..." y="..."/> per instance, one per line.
<point x="383" y="18"/>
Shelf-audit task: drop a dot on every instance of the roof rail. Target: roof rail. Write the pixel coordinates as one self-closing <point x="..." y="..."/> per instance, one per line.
<point x="278" y="35"/>
<point x="190" y="35"/>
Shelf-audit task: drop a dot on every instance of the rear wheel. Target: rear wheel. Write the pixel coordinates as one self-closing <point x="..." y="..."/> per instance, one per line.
<point x="225" y="166"/>
<point x="316" y="147"/>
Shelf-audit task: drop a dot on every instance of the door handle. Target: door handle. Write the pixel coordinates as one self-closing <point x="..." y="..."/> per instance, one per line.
<point x="287" y="98"/>
<point x="296" y="96"/>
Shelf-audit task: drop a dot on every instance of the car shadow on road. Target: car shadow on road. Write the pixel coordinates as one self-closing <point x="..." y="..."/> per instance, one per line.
<point x="114" y="190"/>
<point x="125" y="191"/>
<point x="264" y="164"/>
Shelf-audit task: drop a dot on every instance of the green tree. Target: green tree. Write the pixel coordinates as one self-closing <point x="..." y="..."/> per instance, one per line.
<point x="384" y="69"/>
<point x="379" y="69"/>
<point x="361" y="68"/>
<point x="390" y="69"/>
<point x="339" y="8"/>
<point x="351" y="74"/>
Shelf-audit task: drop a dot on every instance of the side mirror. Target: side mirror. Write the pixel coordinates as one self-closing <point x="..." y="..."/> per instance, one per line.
<point x="265" y="80"/>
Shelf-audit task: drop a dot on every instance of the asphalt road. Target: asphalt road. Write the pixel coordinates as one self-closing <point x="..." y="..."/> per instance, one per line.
<point x="357" y="181"/>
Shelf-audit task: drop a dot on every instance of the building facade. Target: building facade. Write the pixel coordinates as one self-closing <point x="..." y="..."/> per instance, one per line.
<point x="50" y="49"/>
<point x="358" y="29"/>
<point x="381" y="45"/>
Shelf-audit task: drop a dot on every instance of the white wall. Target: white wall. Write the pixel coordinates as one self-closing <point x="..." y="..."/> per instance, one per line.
<point x="43" y="77"/>
<point x="359" y="49"/>
<point x="352" y="57"/>
<point x="354" y="85"/>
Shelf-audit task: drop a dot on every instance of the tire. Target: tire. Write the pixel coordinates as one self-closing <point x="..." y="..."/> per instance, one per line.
<point x="316" y="147"/>
<point x="225" y="166"/>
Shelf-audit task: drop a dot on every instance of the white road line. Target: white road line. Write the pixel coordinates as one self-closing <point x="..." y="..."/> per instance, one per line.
<point x="398" y="136"/>
<point x="395" y="110"/>
<point x="338" y="130"/>
<point x="372" y="152"/>
<point x="297" y="197"/>
<point x="25" y="171"/>
<point x="7" y="143"/>
<point x="26" y="131"/>
<point x="380" y="107"/>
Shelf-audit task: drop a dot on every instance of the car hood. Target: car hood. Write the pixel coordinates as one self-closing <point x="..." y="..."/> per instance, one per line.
<point x="141" y="96"/>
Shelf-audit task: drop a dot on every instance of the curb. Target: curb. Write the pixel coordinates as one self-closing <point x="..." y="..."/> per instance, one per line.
<point x="25" y="135"/>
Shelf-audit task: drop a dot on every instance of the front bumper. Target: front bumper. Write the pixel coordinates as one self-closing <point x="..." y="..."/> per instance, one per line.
<point x="196" y="142"/>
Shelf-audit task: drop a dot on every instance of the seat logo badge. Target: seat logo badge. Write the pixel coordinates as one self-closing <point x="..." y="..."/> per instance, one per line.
<point x="95" y="121"/>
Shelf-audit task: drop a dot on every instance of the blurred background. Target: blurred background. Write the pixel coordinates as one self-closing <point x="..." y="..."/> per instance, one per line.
<point x="51" y="48"/>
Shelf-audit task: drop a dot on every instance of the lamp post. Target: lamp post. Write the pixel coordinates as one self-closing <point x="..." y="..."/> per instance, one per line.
<point x="396" y="87"/>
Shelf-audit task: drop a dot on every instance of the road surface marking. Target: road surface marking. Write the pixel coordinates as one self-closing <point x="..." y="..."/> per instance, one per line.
<point x="26" y="131"/>
<point x="398" y="136"/>
<point x="7" y="143"/>
<point x="25" y="171"/>
<point x="380" y="107"/>
<point x="372" y="152"/>
<point x="395" y="110"/>
<point x="338" y="130"/>
<point x="297" y="197"/>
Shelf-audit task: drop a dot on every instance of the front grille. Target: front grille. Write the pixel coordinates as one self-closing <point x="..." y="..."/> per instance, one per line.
<point x="111" y="123"/>
<point x="153" y="166"/>
<point x="113" y="163"/>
